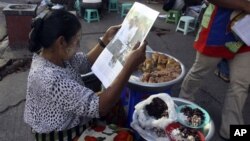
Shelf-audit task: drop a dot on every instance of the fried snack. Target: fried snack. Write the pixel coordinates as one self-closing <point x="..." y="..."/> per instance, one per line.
<point x="155" y="57"/>
<point x="171" y="61"/>
<point x="162" y="59"/>
<point x="159" y="68"/>
<point x="147" y="65"/>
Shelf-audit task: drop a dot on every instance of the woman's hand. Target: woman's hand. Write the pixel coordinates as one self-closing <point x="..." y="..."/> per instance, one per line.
<point x="107" y="37"/>
<point x="110" y="33"/>
<point x="136" y="56"/>
<point x="112" y="94"/>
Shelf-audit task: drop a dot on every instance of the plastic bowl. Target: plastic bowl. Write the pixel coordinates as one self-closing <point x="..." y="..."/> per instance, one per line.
<point x="186" y="123"/>
<point x="176" y="125"/>
<point x="137" y="84"/>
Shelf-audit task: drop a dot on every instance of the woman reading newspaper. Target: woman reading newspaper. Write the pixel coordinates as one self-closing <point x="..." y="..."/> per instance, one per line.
<point x="58" y="105"/>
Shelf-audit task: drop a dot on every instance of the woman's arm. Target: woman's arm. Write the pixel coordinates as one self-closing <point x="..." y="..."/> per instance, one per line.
<point x="94" y="53"/>
<point x="112" y="94"/>
<point x="233" y="4"/>
<point x="108" y="36"/>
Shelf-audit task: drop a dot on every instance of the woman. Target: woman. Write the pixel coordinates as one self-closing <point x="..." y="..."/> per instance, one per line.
<point x="57" y="99"/>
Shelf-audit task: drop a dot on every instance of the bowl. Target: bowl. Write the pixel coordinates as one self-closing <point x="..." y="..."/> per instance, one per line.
<point x="182" y="118"/>
<point x="207" y="131"/>
<point x="136" y="84"/>
<point x="176" y="125"/>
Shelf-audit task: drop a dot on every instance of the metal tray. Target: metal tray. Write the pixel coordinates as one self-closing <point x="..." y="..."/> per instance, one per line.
<point x="136" y="84"/>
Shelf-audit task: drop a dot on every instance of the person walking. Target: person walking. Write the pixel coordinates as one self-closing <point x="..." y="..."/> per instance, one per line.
<point x="210" y="44"/>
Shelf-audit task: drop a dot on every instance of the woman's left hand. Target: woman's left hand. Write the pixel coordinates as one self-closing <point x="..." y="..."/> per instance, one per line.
<point x="110" y="33"/>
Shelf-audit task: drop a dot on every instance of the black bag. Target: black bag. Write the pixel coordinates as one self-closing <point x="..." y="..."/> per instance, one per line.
<point x="60" y="1"/>
<point x="192" y="2"/>
<point x="168" y="4"/>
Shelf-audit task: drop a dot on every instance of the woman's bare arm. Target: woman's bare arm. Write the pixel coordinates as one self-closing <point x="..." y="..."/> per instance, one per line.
<point x="112" y="94"/>
<point x="108" y="36"/>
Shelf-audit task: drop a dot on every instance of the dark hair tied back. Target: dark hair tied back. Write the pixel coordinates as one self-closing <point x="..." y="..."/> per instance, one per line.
<point x="36" y="23"/>
<point x="34" y="42"/>
<point x="54" y="24"/>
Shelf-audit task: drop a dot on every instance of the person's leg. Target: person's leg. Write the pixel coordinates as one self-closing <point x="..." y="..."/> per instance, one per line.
<point x="236" y="94"/>
<point x="193" y="80"/>
<point x="222" y="70"/>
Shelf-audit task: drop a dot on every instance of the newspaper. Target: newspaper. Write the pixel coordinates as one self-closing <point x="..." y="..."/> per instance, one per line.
<point x="135" y="27"/>
<point x="241" y="28"/>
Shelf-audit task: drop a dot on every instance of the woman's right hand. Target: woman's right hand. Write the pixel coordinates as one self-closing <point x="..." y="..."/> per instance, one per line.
<point x="110" y="33"/>
<point x="136" y="56"/>
<point x="112" y="94"/>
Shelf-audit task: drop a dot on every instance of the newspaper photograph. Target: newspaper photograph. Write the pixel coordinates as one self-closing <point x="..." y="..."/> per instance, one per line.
<point x="135" y="28"/>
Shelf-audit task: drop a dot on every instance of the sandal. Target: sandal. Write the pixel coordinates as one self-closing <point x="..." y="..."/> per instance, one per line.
<point x="222" y="76"/>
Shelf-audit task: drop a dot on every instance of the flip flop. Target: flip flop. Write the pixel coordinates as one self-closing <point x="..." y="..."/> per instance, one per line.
<point x="222" y="76"/>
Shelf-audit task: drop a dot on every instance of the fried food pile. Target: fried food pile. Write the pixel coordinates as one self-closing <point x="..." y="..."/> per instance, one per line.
<point x="159" y="68"/>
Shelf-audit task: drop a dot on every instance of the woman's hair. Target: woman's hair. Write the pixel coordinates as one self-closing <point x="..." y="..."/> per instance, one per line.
<point x="46" y="30"/>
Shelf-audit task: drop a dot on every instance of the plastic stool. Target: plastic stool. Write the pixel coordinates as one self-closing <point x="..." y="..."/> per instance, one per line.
<point x="77" y="7"/>
<point x="125" y="8"/>
<point x="113" y="5"/>
<point x="173" y="16"/>
<point x="187" y="20"/>
<point x="91" y="15"/>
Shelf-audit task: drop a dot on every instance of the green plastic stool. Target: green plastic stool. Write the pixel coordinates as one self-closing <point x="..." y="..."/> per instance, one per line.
<point x="173" y="16"/>
<point x="77" y="7"/>
<point x="125" y="8"/>
<point x="184" y="24"/>
<point x="113" y="5"/>
<point x="91" y="15"/>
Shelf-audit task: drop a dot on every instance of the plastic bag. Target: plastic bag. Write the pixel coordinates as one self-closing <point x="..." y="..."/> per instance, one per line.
<point x="179" y="4"/>
<point x="147" y="130"/>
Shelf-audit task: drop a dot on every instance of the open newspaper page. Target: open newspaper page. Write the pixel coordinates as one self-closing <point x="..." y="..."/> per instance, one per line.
<point x="135" y="27"/>
<point x="242" y="28"/>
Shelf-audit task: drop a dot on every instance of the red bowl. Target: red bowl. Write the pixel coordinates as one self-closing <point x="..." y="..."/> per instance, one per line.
<point x="176" y="125"/>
